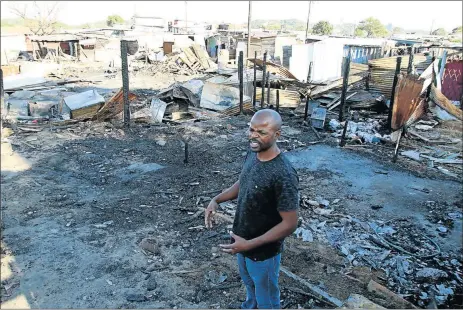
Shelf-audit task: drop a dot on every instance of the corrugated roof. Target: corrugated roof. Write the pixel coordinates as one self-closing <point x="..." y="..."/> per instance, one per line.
<point x="55" y="38"/>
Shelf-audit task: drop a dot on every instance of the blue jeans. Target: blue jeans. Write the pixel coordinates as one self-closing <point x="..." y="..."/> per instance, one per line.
<point x="261" y="280"/>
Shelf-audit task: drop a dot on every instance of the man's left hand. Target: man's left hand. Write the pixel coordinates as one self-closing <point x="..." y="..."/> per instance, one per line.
<point x="240" y="245"/>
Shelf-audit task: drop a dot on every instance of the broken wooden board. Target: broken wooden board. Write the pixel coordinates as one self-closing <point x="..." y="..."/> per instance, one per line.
<point x="313" y="288"/>
<point x="274" y="68"/>
<point x="288" y="98"/>
<point x="201" y="55"/>
<point x="318" y="90"/>
<point x="113" y="106"/>
<point x="439" y="99"/>
<point x="383" y="292"/>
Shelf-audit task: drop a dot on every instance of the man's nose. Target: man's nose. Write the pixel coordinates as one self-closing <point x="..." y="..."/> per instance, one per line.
<point x="252" y="134"/>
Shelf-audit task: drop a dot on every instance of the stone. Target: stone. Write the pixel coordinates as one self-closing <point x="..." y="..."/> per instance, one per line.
<point x="356" y="301"/>
<point x="161" y="142"/>
<point x="136" y="297"/>
<point x="430" y="274"/>
<point x="442" y="229"/>
<point x="313" y="203"/>
<point x="152" y="284"/>
<point x="150" y="245"/>
<point x="323" y="202"/>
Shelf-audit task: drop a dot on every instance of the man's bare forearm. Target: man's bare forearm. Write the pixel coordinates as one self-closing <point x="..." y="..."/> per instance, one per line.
<point x="229" y="194"/>
<point x="278" y="232"/>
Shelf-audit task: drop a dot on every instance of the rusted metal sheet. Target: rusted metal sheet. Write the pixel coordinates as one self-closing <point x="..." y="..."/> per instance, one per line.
<point x="438" y="98"/>
<point x="406" y="100"/>
<point x="274" y="68"/>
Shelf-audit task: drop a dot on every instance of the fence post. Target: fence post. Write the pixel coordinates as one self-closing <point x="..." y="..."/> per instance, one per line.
<point x="394" y="84"/>
<point x="240" y="75"/>
<point x="345" y="82"/>
<point x="264" y="66"/>
<point x="125" y="82"/>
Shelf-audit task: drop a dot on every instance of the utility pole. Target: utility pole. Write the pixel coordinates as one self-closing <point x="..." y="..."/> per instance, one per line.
<point x="308" y="17"/>
<point x="432" y="26"/>
<point x="248" y="53"/>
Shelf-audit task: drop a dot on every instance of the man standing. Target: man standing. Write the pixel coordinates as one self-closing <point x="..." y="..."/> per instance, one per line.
<point x="268" y="199"/>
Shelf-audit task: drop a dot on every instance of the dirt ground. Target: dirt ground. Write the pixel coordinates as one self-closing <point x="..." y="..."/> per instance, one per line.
<point x="78" y="200"/>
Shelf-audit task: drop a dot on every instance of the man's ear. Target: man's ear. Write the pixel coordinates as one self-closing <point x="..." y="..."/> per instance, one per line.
<point x="278" y="134"/>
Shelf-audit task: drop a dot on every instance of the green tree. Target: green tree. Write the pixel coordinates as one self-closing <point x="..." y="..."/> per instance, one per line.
<point x="373" y="28"/>
<point x="114" y="19"/>
<point x="457" y="30"/>
<point x="360" y="33"/>
<point x="439" y="32"/>
<point x="398" y="30"/>
<point x="322" y="28"/>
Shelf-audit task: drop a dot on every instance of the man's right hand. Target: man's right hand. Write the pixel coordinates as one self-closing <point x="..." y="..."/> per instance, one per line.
<point x="210" y="212"/>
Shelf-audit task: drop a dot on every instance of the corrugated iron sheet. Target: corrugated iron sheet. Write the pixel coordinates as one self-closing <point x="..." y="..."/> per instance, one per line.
<point x="288" y="98"/>
<point x="274" y="68"/>
<point x="382" y="71"/>
<point x="406" y="100"/>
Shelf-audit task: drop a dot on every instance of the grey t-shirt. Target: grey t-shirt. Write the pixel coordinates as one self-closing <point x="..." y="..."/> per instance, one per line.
<point x="266" y="188"/>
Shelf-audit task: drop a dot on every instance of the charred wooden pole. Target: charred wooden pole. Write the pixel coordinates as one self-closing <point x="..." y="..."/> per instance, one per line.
<point x="309" y="74"/>
<point x="268" y="88"/>
<point x="125" y="83"/>
<point x="240" y="75"/>
<point x="343" y="137"/>
<point x="185" y="160"/>
<point x="278" y="101"/>
<point x="394" y="84"/>
<point x="411" y="56"/>
<point x="306" y="112"/>
<point x="264" y="66"/>
<point x="345" y="82"/>
<point x="255" y="80"/>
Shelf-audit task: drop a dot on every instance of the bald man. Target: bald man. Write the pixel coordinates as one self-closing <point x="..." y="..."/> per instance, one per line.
<point x="268" y="200"/>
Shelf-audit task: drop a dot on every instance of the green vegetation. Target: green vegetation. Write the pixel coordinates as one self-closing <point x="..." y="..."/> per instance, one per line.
<point x="457" y="30"/>
<point x="322" y="28"/>
<point x="373" y="28"/>
<point x="114" y="19"/>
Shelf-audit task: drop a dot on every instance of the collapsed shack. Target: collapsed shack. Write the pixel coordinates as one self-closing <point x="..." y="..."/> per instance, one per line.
<point x="398" y="248"/>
